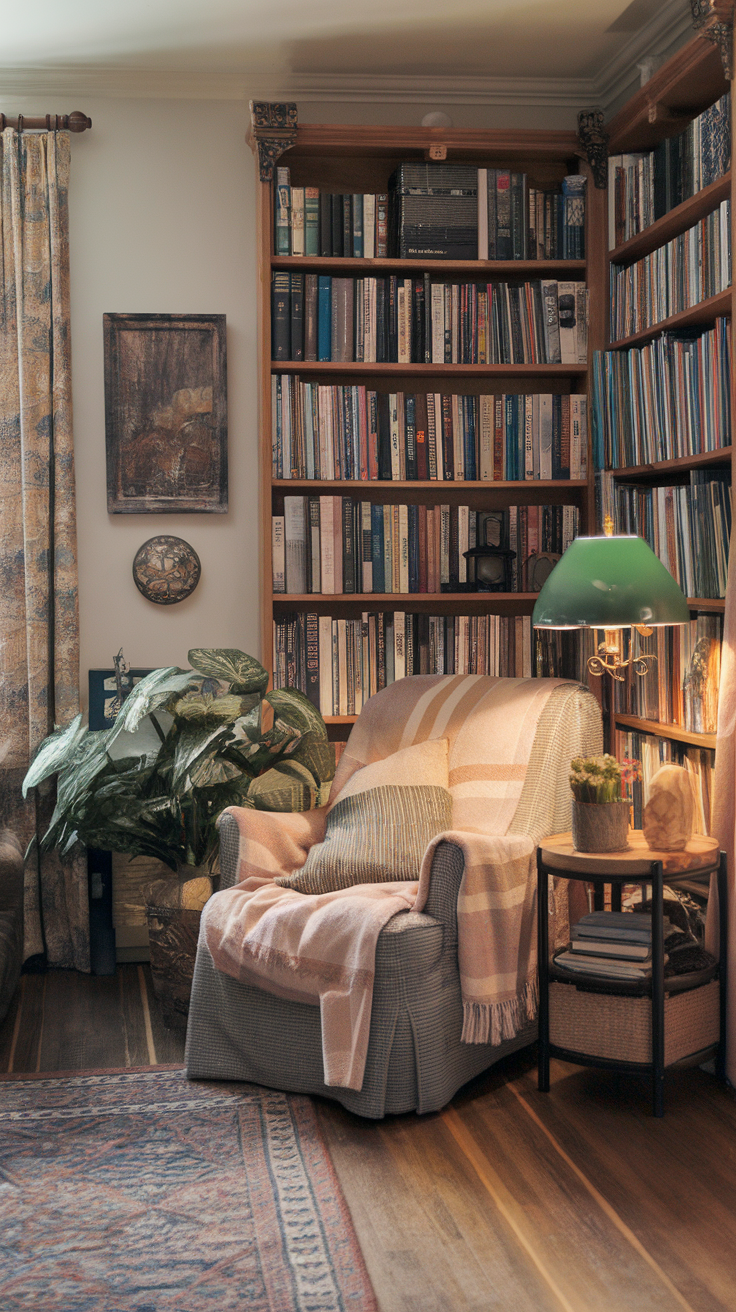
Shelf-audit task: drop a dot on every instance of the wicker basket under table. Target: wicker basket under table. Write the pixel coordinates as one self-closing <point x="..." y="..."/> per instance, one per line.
<point x="620" y="1029"/>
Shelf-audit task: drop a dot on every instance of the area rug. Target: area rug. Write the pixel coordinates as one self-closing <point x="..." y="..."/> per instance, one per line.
<point x="139" y="1191"/>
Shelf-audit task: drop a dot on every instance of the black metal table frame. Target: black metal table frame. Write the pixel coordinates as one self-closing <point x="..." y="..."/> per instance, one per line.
<point x="656" y="879"/>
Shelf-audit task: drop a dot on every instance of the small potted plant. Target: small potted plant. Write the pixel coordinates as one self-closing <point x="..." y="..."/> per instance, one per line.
<point x="600" y="815"/>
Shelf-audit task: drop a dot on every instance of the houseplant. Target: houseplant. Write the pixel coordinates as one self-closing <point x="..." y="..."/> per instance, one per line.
<point x="186" y="744"/>
<point x="600" y="816"/>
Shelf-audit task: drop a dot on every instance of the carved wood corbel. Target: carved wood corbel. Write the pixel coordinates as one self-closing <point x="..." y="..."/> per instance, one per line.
<point x="593" y="139"/>
<point x="273" y="130"/>
<point x="713" y="19"/>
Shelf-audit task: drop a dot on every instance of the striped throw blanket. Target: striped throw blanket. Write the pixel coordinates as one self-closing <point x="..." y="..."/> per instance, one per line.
<point x="321" y="947"/>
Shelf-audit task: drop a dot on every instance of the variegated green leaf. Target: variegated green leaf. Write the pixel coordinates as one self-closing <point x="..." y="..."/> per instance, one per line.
<point x="54" y="752"/>
<point x="153" y="691"/>
<point x="243" y="673"/>
<point x="294" y="708"/>
<point x="317" y="755"/>
<point x="276" y="791"/>
<point x="192" y="742"/>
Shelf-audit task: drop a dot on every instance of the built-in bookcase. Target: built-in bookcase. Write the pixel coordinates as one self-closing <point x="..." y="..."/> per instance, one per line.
<point x="343" y="159"/>
<point x="676" y="712"/>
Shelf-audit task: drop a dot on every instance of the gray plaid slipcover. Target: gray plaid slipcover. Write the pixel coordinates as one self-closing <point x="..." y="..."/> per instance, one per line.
<point x="415" y="1060"/>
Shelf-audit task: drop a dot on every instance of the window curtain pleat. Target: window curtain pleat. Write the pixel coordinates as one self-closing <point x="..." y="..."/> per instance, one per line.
<point x="39" y="612"/>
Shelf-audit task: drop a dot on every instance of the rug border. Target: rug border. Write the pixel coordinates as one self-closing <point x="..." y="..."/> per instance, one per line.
<point x="92" y="1070"/>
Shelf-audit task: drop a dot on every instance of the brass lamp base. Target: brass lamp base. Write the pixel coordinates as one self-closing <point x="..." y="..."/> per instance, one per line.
<point x="608" y="659"/>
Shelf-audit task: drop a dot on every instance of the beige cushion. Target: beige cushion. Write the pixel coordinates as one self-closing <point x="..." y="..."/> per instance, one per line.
<point x="379" y="827"/>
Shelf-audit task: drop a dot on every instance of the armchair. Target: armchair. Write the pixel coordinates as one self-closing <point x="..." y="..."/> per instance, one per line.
<point x="415" y="1059"/>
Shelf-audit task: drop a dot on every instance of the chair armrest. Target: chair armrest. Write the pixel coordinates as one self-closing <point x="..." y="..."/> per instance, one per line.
<point x="266" y="843"/>
<point x="445" y="877"/>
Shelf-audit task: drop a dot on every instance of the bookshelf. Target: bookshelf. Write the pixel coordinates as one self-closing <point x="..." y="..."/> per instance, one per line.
<point x="356" y="159"/>
<point x="686" y="86"/>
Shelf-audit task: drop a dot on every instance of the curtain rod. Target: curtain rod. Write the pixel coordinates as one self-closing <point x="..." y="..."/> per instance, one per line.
<point x="76" y="122"/>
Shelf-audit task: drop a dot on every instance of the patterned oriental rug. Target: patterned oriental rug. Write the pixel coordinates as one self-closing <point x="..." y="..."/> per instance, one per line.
<point x="138" y="1191"/>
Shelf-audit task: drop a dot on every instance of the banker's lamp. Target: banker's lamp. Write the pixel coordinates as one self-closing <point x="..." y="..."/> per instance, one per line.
<point x="610" y="583"/>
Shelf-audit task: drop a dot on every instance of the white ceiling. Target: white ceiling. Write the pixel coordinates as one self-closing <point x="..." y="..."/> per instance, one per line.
<point x="289" y="40"/>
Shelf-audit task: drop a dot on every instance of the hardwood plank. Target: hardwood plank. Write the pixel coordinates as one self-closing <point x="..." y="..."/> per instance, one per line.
<point x="456" y="1251"/>
<point x="82" y="1025"/>
<point x="10" y="1028"/>
<point x="24" y="1056"/>
<point x="673" y="222"/>
<point x="670" y="1180"/>
<point x="474" y="270"/>
<point x="168" y="1044"/>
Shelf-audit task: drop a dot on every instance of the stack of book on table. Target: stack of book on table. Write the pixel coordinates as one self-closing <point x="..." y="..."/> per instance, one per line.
<point x="610" y="945"/>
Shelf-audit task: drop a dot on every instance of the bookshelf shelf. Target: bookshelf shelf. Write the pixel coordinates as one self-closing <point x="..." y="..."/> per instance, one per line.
<point x="707" y="603"/>
<point x="393" y="370"/>
<point x="673" y="731"/>
<point x="704" y="312"/>
<point x="503" y="269"/>
<point x="690" y="81"/>
<point x="476" y="494"/>
<point x="677" y="220"/>
<point x="375" y="601"/>
<point x="681" y="465"/>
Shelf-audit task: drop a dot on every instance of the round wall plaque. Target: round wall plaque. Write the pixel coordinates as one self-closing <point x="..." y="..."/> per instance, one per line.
<point x="166" y="570"/>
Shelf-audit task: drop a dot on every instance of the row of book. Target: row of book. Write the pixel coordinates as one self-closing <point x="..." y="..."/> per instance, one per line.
<point x="644" y="186"/>
<point x="434" y="211"/>
<point x="666" y="399"/>
<point x="334" y="545"/>
<point x="389" y="319"/>
<point x="688" y="527"/>
<point x="692" y="267"/>
<point x="308" y="221"/>
<point x="681" y="686"/>
<point x="340" y="663"/>
<point x="344" y="431"/>
<point x="653" y="752"/>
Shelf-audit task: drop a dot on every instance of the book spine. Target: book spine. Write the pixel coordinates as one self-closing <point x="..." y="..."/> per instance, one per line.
<point x="280" y="315"/>
<point x="295" y="537"/>
<point x="278" y="556"/>
<point x="315" y="550"/>
<point x="324" y="318"/>
<point x="297" y="316"/>
<point x="369" y="226"/>
<point x="381" y="225"/>
<point x="282" y="210"/>
<point x="348" y="546"/>
<point x="297" y="220"/>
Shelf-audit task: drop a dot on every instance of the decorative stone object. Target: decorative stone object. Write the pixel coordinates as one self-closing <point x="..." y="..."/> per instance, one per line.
<point x="668" y="815"/>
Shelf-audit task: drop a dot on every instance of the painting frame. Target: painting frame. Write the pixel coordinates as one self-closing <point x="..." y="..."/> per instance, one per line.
<point x="165" y="413"/>
<point x="102" y="690"/>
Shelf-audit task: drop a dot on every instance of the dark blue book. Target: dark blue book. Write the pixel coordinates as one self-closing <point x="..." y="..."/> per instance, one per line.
<point x="413" y="518"/>
<point x="377" y="548"/>
<point x="297" y="316"/>
<point x="324" y="318"/>
<point x="512" y="438"/>
<point x="358" y="226"/>
<point x="281" y="316"/>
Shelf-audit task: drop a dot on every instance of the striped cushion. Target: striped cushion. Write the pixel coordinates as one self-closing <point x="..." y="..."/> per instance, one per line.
<point x="374" y="836"/>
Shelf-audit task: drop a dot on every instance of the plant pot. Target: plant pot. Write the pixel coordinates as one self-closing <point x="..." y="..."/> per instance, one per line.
<point x="173" y="911"/>
<point x="600" y="826"/>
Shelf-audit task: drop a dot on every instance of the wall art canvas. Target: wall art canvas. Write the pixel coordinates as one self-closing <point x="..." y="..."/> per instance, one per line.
<point x="165" y="413"/>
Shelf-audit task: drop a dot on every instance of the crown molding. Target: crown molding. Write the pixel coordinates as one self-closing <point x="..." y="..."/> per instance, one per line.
<point x="668" y="28"/>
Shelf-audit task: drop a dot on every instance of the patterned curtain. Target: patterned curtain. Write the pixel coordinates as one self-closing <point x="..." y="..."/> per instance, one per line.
<point x="39" y="620"/>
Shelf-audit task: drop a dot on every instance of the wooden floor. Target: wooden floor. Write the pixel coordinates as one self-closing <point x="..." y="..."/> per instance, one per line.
<point x="509" y="1200"/>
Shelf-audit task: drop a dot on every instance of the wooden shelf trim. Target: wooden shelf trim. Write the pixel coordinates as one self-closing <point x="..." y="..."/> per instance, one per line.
<point x="677" y="220"/>
<point x="722" y="456"/>
<point x="686" y="84"/>
<point x="473" y="268"/>
<point x="353" y="368"/>
<point x="704" y="312"/>
<point x="363" y="141"/>
<point x="673" y="731"/>
<point x="707" y="603"/>
<point x="371" y="601"/>
<point x="336" y="486"/>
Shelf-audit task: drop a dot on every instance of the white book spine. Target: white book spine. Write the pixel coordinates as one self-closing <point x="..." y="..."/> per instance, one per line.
<point x="545" y="436"/>
<point x="325" y="665"/>
<point x="278" y="557"/>
<point x="403" y="548"/>
<point x="399" y="644"/>
<point x="297" y="220"/>
<point x="327" y="544"/>
<point x="437" y="302"/>
<point x="463" y="542"/>
<point x="295" y="535"/>
<point x="482" y="214"/>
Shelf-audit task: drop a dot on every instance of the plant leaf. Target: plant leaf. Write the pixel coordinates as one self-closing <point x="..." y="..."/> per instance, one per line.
<point x="54" y="752"/>
<point x="294" y="708"/>
<point x="192" y="742"/>
<point x="276" y="791"/>
<point x="153" y="691"/>
<point x="243" y="673"/>
<point x="317" y="755"/>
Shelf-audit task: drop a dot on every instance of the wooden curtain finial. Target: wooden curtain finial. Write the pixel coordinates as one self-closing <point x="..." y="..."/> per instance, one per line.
<point x="273" y="130"/>
<point x="713" y="19"/>
<point x="593" y="139"/>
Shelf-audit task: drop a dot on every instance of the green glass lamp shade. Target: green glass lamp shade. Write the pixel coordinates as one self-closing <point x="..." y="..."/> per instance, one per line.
<point x="609" y="583"/>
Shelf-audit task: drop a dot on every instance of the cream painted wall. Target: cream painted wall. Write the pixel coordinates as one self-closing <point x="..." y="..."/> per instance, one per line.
<point x="162" y="217"/>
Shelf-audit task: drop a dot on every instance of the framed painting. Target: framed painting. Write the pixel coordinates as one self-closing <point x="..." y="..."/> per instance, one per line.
<point x="104" y="696"/>
<point x="165" y="413"/>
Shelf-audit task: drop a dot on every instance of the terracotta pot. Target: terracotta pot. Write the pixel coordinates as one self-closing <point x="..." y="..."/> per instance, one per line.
<point x="600" y="826"/>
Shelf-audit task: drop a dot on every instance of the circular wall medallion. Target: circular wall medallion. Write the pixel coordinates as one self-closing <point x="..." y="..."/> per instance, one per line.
<point x="166" y="570"/>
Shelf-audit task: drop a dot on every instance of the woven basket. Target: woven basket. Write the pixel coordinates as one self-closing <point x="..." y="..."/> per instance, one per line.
<point x="620" y="1028"/>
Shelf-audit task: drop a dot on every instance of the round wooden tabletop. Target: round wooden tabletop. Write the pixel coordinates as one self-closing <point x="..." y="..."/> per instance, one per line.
<point x="700" y="854"/>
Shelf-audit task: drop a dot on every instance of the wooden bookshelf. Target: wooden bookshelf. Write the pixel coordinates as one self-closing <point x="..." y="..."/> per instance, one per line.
<point x="687" y="84"/>
<point x="343" y="158"/>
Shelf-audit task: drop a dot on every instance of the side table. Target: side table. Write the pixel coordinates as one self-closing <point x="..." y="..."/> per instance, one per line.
<point x="637" y="864"/>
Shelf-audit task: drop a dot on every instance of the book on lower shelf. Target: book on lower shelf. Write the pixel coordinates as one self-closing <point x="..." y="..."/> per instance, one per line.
<point x="653" y="751"/>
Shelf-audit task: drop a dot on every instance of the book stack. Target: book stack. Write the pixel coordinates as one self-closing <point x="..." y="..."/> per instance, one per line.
<point x="664" y="400"/>
<point x="332" y="545"/>
<point x="688" y="526"/>
<point x="615" y="946"/>
<point x="433" y="211"/>
<point x="339" y="663"/>
<point x="378" y="320"/>
<point x="308" y="221"/>
<point x="653" y="752"/>
<point x="517" y="221"/>
<point x="336" y="431"/>
<point x="681" y="686"/>
<point x="691" y="268"/>
<point x="642" y="187"/>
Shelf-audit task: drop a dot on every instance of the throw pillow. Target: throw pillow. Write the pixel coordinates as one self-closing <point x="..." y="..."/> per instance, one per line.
<point x="379" y="827"/>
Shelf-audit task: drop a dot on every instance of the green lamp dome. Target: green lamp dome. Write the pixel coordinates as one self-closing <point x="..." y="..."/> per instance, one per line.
<point x="609" y="583"/>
